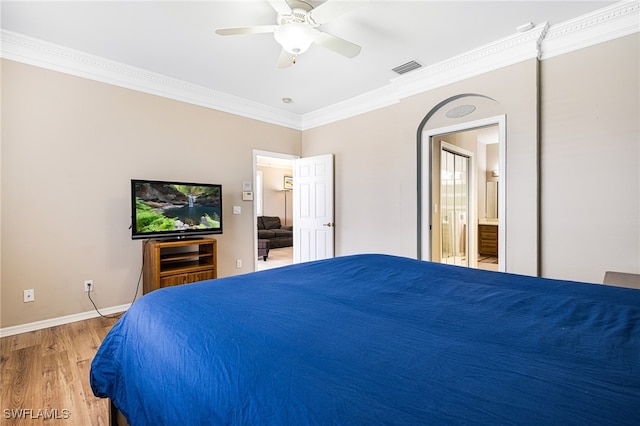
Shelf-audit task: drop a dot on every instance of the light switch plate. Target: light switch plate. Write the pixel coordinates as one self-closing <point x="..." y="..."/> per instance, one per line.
<point x="237" y="209"/>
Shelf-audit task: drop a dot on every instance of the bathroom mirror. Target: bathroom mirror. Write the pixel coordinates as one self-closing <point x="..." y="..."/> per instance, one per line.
<point x="491" y="203"/>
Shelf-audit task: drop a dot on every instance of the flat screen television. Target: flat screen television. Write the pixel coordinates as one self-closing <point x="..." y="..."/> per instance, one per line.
<point x="162" y="209"/>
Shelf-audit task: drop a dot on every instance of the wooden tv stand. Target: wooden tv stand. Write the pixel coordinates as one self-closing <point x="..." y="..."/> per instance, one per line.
<point x="176" y="262"/>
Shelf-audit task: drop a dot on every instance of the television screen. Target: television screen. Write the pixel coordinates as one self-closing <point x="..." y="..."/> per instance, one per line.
<point x="175" y="209"/>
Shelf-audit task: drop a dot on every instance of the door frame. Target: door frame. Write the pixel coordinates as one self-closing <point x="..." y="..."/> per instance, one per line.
<point x="425" y="170"/>
<point x="256" y="153"/>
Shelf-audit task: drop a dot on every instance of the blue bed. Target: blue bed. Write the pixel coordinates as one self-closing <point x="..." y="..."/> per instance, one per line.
<point x="375" y="339"/>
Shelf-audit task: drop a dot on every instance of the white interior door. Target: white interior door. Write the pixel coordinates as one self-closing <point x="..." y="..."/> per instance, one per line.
<point x="313" y="218"/>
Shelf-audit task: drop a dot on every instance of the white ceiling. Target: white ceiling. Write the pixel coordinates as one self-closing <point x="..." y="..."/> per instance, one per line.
<point x="176" y="39"/>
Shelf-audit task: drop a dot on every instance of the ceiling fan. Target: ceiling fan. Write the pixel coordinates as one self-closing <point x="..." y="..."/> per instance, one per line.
<point x="297" y="28"/>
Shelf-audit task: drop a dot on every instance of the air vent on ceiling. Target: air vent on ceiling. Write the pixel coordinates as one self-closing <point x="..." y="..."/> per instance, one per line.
<point x="405" y="68"/>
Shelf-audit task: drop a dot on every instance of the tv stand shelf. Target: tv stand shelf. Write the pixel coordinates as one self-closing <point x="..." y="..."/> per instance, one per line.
<point x="169" y="263"/>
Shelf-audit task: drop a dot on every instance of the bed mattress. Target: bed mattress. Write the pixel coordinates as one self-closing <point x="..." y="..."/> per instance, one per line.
<point x="376" y="339"/>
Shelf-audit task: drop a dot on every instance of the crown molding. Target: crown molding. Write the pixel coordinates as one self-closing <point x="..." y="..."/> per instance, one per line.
<point x="618" y="20"/>
<point x="501" y="53"/>
<point x="32" y="51"/>
<point x="542" y="42"/>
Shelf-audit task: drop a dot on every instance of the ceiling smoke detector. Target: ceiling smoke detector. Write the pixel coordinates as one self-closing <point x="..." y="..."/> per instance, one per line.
<point x="524" y="27"/>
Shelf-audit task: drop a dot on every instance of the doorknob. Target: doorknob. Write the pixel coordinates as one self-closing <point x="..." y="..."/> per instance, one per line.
<point x="328" y="224"/>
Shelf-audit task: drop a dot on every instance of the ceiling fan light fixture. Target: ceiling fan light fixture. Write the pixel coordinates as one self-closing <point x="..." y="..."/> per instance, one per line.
<point x="295" y="38"/>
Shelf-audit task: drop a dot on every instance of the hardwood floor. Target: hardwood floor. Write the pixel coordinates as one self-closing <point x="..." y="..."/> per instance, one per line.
<point x="45" y="375"/>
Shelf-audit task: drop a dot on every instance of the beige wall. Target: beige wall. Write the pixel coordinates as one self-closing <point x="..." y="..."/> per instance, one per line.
<point x="590" y="161"/>
<point x="70" y="147"/>
<point x="376" y="165"/>
<point x="589" y="166"/>
<point x="375" y="175"/>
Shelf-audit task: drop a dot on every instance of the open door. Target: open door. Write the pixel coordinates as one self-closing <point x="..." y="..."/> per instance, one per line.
<point x="313" y="216"/>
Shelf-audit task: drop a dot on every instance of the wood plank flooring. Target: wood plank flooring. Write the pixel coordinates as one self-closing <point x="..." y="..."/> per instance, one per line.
<point x="45" y="375"/>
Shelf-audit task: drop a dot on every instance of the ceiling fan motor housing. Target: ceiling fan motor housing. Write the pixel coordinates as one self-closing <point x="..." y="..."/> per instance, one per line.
<point x="298" y="16"/>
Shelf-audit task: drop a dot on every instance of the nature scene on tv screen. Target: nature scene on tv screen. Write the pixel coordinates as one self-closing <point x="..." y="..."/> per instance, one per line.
<point x="169" y="207"/>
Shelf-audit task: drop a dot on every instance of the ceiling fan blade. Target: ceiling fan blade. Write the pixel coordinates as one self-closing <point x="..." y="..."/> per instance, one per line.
<point x="280" y="6"/>
<point x="332" y="9"/>
<point x="336" y="44"/>
<point x="259" y="29"/>
<point x="286" y="59"/>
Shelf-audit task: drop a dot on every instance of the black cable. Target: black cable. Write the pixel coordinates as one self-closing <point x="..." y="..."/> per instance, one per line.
<point x="134" y="296"/>
<point x="100" y="313"/>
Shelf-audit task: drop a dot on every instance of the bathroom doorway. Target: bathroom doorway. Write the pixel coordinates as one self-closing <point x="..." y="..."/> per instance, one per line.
<point x="463" y="195"/>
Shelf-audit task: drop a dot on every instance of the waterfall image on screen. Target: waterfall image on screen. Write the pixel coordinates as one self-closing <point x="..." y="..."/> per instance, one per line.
<point x="166" y="208"/>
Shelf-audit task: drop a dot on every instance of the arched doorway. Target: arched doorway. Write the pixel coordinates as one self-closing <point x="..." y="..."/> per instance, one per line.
<point x="447" y="230"/>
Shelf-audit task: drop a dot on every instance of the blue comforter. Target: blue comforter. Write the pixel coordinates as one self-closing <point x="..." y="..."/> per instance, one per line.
<point x="376" y="339"/>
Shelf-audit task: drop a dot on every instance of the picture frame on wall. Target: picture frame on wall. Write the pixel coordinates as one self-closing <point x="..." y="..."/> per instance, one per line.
<point x="288" y="182"/>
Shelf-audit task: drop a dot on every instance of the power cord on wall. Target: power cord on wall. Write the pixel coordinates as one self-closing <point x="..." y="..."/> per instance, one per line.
<point x="134" y="296"/>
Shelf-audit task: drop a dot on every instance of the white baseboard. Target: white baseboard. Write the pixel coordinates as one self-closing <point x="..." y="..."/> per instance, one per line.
<point x="39" y="325"/>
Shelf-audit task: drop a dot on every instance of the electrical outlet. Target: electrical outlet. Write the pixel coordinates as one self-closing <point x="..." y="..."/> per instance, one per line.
<point x="238" y="263"/>
<point x="29" y="295"/>
<point x="88" y="285"/>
